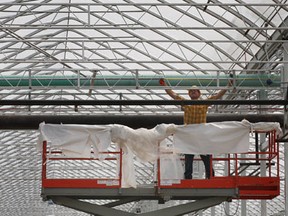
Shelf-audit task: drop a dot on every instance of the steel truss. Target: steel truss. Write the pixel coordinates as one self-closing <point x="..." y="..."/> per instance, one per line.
<point x="128" y="40"/>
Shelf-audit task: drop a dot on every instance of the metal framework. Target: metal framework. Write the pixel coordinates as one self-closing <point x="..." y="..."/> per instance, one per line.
<point x="98" y="51"/>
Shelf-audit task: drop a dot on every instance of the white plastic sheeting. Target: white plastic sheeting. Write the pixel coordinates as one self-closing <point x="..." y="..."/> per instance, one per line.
<point x="208" y="138"/>
<point x="76" y="140"/>
<point x="218" y="137"/>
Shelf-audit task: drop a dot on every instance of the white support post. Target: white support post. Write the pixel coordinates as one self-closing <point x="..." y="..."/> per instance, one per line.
<point x="30" y="87"/>
<point x="262" y="95"/>
<point x="243" y="202"/>
<point x="284" y="87"/>
<point x="78" y="79"/>
<point x="227" y="204"/>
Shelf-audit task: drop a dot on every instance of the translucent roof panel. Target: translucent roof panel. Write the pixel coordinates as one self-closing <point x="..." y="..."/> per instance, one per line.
<point x="118" y="50"/>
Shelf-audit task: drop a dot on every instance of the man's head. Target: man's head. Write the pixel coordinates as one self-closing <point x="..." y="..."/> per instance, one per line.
<point x="194" y="92"/>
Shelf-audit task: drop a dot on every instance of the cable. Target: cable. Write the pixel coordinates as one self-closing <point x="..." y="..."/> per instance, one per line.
<point x="236" y="211"/>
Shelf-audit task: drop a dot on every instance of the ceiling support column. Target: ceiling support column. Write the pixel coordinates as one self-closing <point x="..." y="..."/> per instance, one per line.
<point x="262" y="95"/>
<point x="285" y="127"/>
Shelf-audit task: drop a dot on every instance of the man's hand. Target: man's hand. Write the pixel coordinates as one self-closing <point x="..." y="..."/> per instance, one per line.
<point x="162" y="82"/>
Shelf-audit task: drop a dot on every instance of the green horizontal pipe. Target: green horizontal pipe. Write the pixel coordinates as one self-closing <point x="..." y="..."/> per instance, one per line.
<point x="207" y="80"/>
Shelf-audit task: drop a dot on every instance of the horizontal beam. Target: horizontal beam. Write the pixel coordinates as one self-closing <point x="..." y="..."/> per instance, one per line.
<point x="144" y="4"/>
<point x="125" y="61"/>
<point x="120" y="40"/>
<point x="133" y="69"/>
<point x="140" y="193"/>
<point x="31" y="122"/>
<point x="138" y="102"/>
<point x="120" y="27"/>
<point x="253" y="80"/>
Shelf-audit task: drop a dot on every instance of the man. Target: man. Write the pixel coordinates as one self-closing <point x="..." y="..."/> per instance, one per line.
<point x="195" y="114"/>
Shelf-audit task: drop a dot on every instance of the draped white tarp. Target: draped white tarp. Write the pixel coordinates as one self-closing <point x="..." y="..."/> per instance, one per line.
<point x="212" y="138"/>
<point x="76" y="140"/>
<point x="208" y="138"/>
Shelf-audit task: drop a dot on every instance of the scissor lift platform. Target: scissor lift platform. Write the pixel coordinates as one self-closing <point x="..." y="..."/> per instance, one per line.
<point x="241" y="181"/>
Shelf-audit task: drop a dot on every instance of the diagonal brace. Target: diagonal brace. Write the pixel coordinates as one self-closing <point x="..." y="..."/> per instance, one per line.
<point x="89" y="208"/>
<point x="188" y="207"/>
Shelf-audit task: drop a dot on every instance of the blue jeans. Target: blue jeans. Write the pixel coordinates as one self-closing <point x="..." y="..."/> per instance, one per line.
<point x="189" y="165"/>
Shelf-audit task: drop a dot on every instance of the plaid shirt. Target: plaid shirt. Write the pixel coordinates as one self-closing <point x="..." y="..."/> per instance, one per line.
<point x="194" y="114"/>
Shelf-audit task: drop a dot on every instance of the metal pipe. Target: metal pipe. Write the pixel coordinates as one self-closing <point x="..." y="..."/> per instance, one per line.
<point x="284" y="87"/>
<point x="139" y="102"/>
<point x="208" y="80"/>
<point x="31" y="122"/>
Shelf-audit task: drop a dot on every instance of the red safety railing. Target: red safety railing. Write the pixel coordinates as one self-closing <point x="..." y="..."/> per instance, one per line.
<point x="255" y="173"/>
<point x="58" y="171"/>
